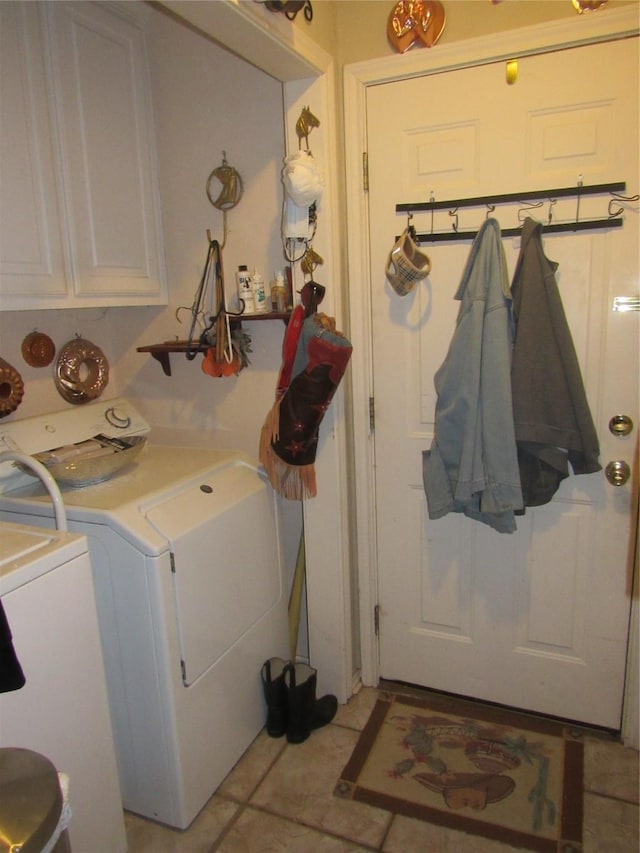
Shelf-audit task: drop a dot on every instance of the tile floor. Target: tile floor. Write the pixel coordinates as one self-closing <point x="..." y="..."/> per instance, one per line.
<point x="280" y="798"/>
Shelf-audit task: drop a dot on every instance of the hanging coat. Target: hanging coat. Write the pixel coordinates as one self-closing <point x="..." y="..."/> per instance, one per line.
<point x="553" y="423"/>
<point x="472" y="465"/>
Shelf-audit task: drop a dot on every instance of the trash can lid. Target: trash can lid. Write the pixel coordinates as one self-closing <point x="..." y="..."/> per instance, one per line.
<point x="30" y="800"/>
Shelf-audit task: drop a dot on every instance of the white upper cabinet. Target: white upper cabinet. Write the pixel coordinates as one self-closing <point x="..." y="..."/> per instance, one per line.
<point x="79" y="210"/>
<point x="32" y="260"/>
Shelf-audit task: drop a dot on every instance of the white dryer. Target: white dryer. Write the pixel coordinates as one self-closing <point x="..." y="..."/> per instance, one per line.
<point x="186" y="555"/>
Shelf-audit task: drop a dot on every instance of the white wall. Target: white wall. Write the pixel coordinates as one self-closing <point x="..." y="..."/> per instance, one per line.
<point x="207" y="101"/>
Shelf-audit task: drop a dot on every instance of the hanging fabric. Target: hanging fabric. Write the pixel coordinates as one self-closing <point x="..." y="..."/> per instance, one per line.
<point x="315" y="357"/>
<point x="11" y="674"/>
<point x="553" y="423"/>
<point x="472" y="465"/>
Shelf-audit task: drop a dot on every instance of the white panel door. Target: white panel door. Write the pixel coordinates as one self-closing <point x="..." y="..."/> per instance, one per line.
<point x="537" y="619"/>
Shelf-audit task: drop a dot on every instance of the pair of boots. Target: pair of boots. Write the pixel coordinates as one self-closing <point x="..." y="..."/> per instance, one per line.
<point x="292" y="707"/>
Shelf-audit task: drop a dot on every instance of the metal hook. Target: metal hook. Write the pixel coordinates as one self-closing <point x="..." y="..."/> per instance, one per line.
<point x="454" y="213"/>
<point x="526" y="207"/>
<point x="179" y="309"/>
<point x="614" y="213"/>
<point x="552" y="202"/>
<point x="224" y="229"/>
<point x="410" y="227"/>
<point x="490" y="210"/>
<point x="305" y="124"/>
<point x="618" y="197"/>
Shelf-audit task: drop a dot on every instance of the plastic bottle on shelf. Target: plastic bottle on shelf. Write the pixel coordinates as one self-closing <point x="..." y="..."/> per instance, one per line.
<point x="245" y="289"/>
<point x="272" y="291"/>
<point x="260" y="305"/>
<point x="279" y="293"/>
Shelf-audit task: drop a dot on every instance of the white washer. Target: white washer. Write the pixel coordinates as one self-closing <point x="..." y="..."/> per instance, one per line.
<point x="62" y="711"/>
<point x="189" y="582"/>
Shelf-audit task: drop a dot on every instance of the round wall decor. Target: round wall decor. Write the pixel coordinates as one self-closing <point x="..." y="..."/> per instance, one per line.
<point x="81" y="371"/>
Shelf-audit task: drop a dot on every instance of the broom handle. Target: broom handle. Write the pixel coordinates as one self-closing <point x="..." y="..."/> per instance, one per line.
<point x="295" y="599"/>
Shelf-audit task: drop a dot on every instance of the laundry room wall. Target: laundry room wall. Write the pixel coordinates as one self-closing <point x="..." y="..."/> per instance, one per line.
<point x="206" y="101"/>
<point x="356" y="30"/>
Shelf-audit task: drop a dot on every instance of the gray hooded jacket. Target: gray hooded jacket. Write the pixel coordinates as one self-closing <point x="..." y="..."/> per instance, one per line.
<point x="472" y="466"/>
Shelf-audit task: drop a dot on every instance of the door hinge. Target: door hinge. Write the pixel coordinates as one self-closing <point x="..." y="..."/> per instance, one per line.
<point x="376" y="620"/>
<point x="172" y="560"/>
<point x="365" y="171"/>
<point x="372" y="414"/>
<point x="183" y="669"/>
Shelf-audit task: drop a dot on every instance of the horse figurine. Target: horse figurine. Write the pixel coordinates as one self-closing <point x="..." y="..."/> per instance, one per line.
<point x="305" y="125"/>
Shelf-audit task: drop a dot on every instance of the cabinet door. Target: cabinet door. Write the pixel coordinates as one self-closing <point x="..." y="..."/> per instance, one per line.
<point x="31" y="242"/>
<point x="102" y="102"/>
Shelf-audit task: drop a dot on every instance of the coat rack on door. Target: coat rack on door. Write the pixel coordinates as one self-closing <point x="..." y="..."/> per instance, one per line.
<point x="490" y="201"/>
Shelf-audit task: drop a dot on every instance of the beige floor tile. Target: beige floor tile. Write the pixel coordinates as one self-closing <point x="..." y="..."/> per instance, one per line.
<point x="300" y="786"/>
<point x="356" y="713"/>
<point x="251" y="768"/>
<point x="611" y="769"/>
<point x="610" y="826"/>
<point x="292" y="806"/>
<point x="409" y="836"/>
<point x="145" y="836"/>
<point x="257" y="831"/>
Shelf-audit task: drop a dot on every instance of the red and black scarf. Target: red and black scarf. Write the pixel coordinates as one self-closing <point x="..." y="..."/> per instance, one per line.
<point x="315" y="357"/>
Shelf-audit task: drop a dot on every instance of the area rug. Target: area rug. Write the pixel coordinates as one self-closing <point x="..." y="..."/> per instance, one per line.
<point x="478" y="769"/>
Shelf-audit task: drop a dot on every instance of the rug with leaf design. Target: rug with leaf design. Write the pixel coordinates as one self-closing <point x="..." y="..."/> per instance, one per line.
<point x="479" y="769"/>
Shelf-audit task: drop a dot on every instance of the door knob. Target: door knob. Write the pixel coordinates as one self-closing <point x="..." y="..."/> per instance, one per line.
<point x="620" y="425"/>
<point x="617" y="473"/>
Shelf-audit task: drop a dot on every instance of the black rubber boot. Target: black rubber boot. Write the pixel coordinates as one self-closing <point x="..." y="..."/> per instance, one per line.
<point x="275" y="694"/>
<point x="305" y="712"/>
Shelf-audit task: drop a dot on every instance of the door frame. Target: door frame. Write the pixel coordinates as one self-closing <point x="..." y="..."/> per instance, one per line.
<point x="526" y="41"/>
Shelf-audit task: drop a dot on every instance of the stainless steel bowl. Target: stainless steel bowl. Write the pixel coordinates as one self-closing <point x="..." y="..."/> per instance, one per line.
<point x="79" y="471"/>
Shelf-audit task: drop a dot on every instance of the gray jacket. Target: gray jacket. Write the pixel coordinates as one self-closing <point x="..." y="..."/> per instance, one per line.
<point x="472" y="466"/>
<point x="553" y="423"/>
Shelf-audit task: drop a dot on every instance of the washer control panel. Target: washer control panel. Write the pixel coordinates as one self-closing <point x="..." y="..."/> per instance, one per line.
<point x="117" y="417"/>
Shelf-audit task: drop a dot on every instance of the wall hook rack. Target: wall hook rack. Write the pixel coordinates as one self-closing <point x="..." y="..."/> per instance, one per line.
<point x="527" y="201"/>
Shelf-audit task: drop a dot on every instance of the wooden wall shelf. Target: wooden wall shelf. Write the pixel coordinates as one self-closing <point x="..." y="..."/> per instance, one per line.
<point x="161" y="352"/>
